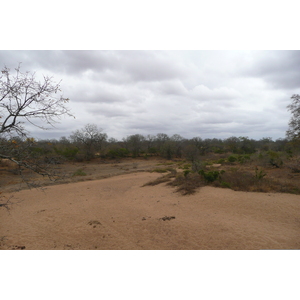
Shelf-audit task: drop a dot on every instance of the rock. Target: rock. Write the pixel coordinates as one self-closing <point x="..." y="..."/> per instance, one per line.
<point x="216" y="165"/>
<point x="166" y="218"/>
<point x="94" y="222"/>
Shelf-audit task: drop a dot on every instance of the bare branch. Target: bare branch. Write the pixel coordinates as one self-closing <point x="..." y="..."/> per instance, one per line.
<point x="24" y="99"/>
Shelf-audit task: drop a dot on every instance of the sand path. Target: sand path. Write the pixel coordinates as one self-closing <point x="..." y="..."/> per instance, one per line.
<point x="118" y="213"/>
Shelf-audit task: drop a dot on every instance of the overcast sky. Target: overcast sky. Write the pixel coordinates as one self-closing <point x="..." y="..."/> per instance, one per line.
<point x="209" y="94"/>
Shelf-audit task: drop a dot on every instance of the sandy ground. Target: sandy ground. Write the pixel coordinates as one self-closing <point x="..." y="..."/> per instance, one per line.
<point x="118" y="213"/>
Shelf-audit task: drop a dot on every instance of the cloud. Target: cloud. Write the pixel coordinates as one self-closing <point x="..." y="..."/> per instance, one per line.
<point x="192" y="93"/>
<point x="279" y="69"/>
<point x="202" y="92"/>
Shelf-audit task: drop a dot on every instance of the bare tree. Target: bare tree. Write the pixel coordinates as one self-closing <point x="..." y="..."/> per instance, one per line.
<point x="90" y="139"/>
<point x="25" y="100"/>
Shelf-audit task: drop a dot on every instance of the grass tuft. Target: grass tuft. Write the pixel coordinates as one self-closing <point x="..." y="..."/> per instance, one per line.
<point x="162" y="179"/>
<point x="79" y="172"/>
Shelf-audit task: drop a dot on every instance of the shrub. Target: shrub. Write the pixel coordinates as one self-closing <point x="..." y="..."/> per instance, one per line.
<point x="188" y="184"/>
<point x="243" y="158"/>
<point x="236" y="180"/>
<point x="211" y="176"/>
<point x="219" y="151"/>
<point x="67" y="152"/>
<point x="152" y="150"/>
<point x="225" y="184"/>
<point x="161" y="170"/>
<point x="115" y="153"/>
<point x="185" y="166"/>
<point x="220" y="161"/>
<point x="79" y="172"/>
<point x="80" y="157"/>
<point x="186" y="172"/>
<point x="40" y="150"/>
<point x="232" y="159"/>
<point x="197" y="166"/>
<point x="274" y="159"/>
<point x="259" y="174"/>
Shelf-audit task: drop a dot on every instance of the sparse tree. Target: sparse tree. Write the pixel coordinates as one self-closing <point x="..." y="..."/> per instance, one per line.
<point x="160" y="140"/>
<point x="25" y="100"/>
<point x="201" y="144"/>
<point x="191" y="152"/>
<point x="177" y="141"/>
<point x="150" y="140"/>
<point x="134" y="143"/>
<point x="90" y="139"/>
<point x="293" y="133"/>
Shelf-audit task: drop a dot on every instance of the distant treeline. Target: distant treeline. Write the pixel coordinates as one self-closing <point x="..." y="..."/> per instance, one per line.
<point x="91" y="142"/>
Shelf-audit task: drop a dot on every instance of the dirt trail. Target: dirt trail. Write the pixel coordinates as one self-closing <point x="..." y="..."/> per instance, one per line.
<point x="118" y="213"/>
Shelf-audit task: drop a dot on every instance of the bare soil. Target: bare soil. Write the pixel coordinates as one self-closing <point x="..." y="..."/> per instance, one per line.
<point x="109" y="208"/>
<point x="11" y="181"/>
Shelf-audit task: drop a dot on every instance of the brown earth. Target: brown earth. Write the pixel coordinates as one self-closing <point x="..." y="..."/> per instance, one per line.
<point x="117" y="212"/>
<point x="11" y="181"/>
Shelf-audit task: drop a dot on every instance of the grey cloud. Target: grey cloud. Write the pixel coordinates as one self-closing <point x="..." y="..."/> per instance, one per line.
<point x="280" y="69"/>
<point x="71" y="62"/>
<point x="115" y="65"/>
<point x="203" y="92"/>
<point x="108" y="112"/>
<point x="192" y="93"/>
<point x="93" y="95"/>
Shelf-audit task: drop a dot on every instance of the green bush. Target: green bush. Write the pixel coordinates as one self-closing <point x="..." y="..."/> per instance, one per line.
<point x="40" y="150"/>
<point x="225" y="184"/>
<point x="232" y="159"/>
<point x="211" y="176"/>
<point x="152" y="150"/>
<point x="275" y="159"/>
<point x="220" y="161"/>
<point x="115" y="153"/>
<point x="259" y="174"/>
<point x="243" y="158"/>
<point x="185" y="166"/>
<point x="186" y="172"/>
<point x="67" y="152"/>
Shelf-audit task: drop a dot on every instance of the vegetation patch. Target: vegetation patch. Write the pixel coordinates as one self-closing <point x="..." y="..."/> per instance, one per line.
<point x="163" y="170"/>
<point x="187" y="185"/>
<point x="232" y="159"/>
<point x="79" y="172"/>
<point x="165" y="164"/>
<point x="162" y="179"/>
<point x="185" y="166"/>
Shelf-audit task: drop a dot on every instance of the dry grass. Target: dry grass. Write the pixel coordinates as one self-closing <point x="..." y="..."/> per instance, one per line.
<point x="162" y="170"/>
<point x="257" y="181"/>
<point x="245" y="177"/>
<point x="187" y="185"/>
<point x="162" y="179"/>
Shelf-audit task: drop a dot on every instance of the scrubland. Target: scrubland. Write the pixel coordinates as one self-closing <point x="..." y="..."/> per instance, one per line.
<point x="212" y="200"/>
